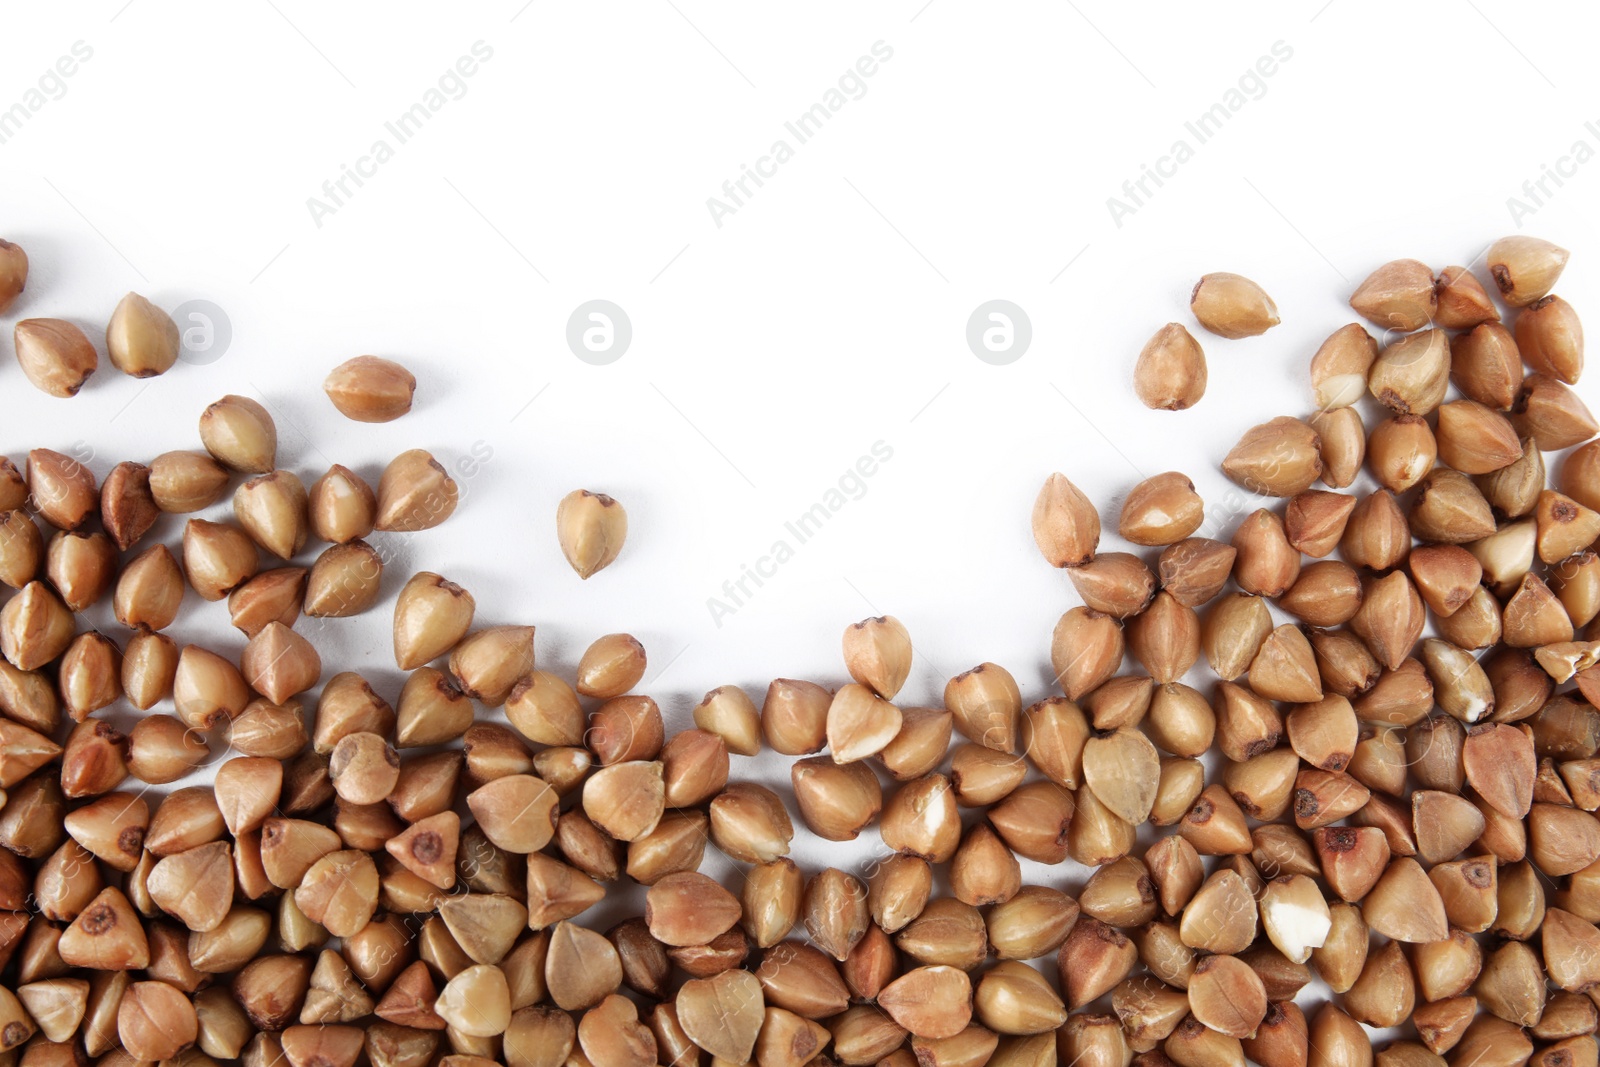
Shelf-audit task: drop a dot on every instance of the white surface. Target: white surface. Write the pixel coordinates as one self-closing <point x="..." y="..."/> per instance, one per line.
<point x="827" y="314"/>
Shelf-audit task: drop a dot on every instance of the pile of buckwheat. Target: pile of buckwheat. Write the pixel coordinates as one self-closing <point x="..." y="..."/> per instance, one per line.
<point x="1409" y="819"/>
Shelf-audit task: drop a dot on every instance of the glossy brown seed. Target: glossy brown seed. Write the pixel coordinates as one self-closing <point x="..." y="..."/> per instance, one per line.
<point x="1247" y="724"/>
<point x="920" y="744"/>
<point x="55" y="355"/>
<point x="1385" y="992"/>
<point x="35" y="627"/>
<point x="834" y="910"/>
<point x="271" y="508"/>
<point x="983" y="776"/>
<point x="1342" y="445"/>
<point x="1339" y="367"/>
<point x="240" y="434"/>
<point x="1086" y="649"/>
<point x="207" y="689"/>
<point x="57" y="1005"/>
<point x="1231" y="305"/>
<point x="1013" y="998"/>
<point x="341" y="506"/>
<point x="364" y="768"/>
<point x="611" y="666"/>
<point x="946" y="932"/>
<point x="1337" y="1039"/>
<point x="986" y="706"/>
<point x="1404" y="905"/>
<point x="155" y="1021"/>
<point x="1486" y="365"/>
<point x="1285" y="668"/>
<point x="1327" y="593"/>
<point x="61" y="488"/>
<point x="476" y="1002"/>
<point x="860" y="723"/>
<point x="920" y="819"/>
<point x="1165" y="639"/>
<point x="877" y="653"/>
<point x="1525" y="268"/>
<point x="557" y="892"/>
<point x="150" y="590"/>
<point x="1215" y="825"/>
<point x="1227" y="996"/>
<point x="722" y="1015"/>
<point x="836" y="801"/>
<point x="340" y="891"/>
<point x="1123" y="701"/>
<point x="1123" y="769"/>
<point x="1260" y="786"/>
<point x="279" y="663"/>
<point x="370" y="389"/>
<point x="1277" y="458"/>
<point x="1265" y="564"/>
<point x="13" y="279"/>
<point x="415" y="493"/>
<point x="770" y="901"/>
<point x="1402" y="450"/>
<point x="1161" y="510"/>
<point x="127" y="508"/>
<point x="749" y="823"/>
<point x="217" y="558"/>
<point x="162" y="749"/>
<point x="1170" y="373"/>
<point x="1564" y="526"/>
<point x="934" y="1002"/>
<point x="334" y="995"/>
<point x="983" y="871"/>
<point x="787" y="1039"/>
<point x="1511" y="984"/>
<point x="1400" y="296"/>
<point x="800" y="979"/>
<point x="344" y="581"/>
<point x="1033" y="923"/>
<point x="1092" y="960"/>
<point x="1463" y="303"/>
<point x="1551" y="413"/>
<point x="1194" y="570"/>
<point x="794" y="717"/>
<point x="488" y="663"/>
<point x="591" y="528"/>
<point x="1221" y="916"/>
<point x="1232" y="633"/>
<point x="517" y="812"/>
<point x="431" y="615"/>
<point x="1550" y="338"/>
<point x="1066" y="526"/>
<point x="21" y="548"/>
<point x="1315" y="520"/>
<point x="689" y="909"/>
<point x="695" y="769"/>
<point x="89" y="675"/>
<point x="1411" y="375"/>
<point x="272" y="596"/>
<point x="1034" y="821"/>
<point x="1118" y="584"/>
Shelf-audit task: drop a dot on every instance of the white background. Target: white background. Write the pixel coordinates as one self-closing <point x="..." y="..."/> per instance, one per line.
<point x="826" y="314"/>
